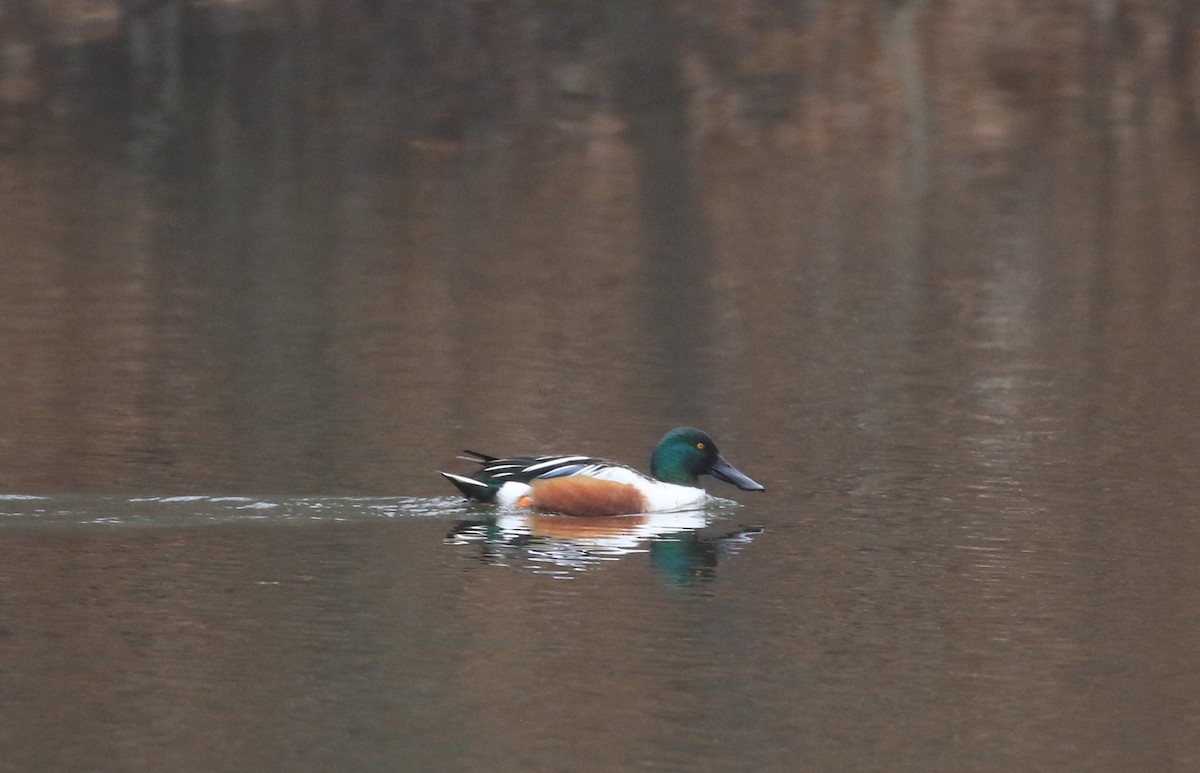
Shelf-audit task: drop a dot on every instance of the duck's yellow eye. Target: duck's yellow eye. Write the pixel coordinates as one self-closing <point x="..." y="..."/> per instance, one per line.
<point x="700" y="446"/>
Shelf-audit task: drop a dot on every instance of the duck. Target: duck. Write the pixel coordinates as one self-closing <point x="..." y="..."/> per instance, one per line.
<point x="586" y="486"/>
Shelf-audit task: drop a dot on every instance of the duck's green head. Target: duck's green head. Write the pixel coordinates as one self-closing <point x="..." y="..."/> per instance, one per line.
<point x="685" y="453"/>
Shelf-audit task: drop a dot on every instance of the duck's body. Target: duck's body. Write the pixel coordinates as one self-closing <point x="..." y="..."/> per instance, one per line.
<point x="587" y="486"/>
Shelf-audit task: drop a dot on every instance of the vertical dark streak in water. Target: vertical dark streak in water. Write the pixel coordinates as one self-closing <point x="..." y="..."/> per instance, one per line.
<point x="1101" y="104"/>
<point x="651" y="96"/>
<point x="1180" y="56"/>
<point x="912" y="229"/>
<point x="272" y="185"/>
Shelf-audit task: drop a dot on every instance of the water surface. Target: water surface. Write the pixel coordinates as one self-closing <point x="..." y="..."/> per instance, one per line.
<point x="930" y="276"/>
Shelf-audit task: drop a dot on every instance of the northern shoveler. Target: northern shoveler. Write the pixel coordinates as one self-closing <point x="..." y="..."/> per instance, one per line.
<point x="586" y="486"/>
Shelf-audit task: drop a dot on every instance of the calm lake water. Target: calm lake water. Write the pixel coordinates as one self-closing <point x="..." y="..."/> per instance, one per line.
<point x="931" y="276"/>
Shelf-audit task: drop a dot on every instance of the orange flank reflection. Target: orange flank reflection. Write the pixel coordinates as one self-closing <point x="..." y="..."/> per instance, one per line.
<point x="598" y="527"/>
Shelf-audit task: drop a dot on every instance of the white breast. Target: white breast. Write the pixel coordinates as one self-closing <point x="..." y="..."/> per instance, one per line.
<point x="659" y="496"/>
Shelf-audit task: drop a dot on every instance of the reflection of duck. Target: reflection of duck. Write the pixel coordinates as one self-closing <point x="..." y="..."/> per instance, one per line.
<point x="693" y="556"/>
<point x="676" y="546"/>
<point x="586" y="486"/>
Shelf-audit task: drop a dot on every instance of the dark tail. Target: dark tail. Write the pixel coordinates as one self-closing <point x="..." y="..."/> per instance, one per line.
<point x="471" y="488"/>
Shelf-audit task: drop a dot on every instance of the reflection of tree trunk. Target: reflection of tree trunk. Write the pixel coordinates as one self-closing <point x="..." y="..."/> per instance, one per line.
<point x="1101" y="108"/>
<point x="650" y="94"/>
<point x="154" y="33"/>
<point x="905" y="45"/>
<point x="1183" y="65"/>
<point x="19" y="82"/>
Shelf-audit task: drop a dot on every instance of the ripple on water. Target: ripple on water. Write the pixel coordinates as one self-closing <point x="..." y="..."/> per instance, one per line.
<point x="81" y="509"/>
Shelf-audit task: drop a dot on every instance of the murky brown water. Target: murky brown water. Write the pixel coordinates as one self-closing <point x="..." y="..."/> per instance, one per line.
<point x="931" y="275"/>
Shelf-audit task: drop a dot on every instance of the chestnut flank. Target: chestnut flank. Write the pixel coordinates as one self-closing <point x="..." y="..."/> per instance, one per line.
<point x="587" y="497"/>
